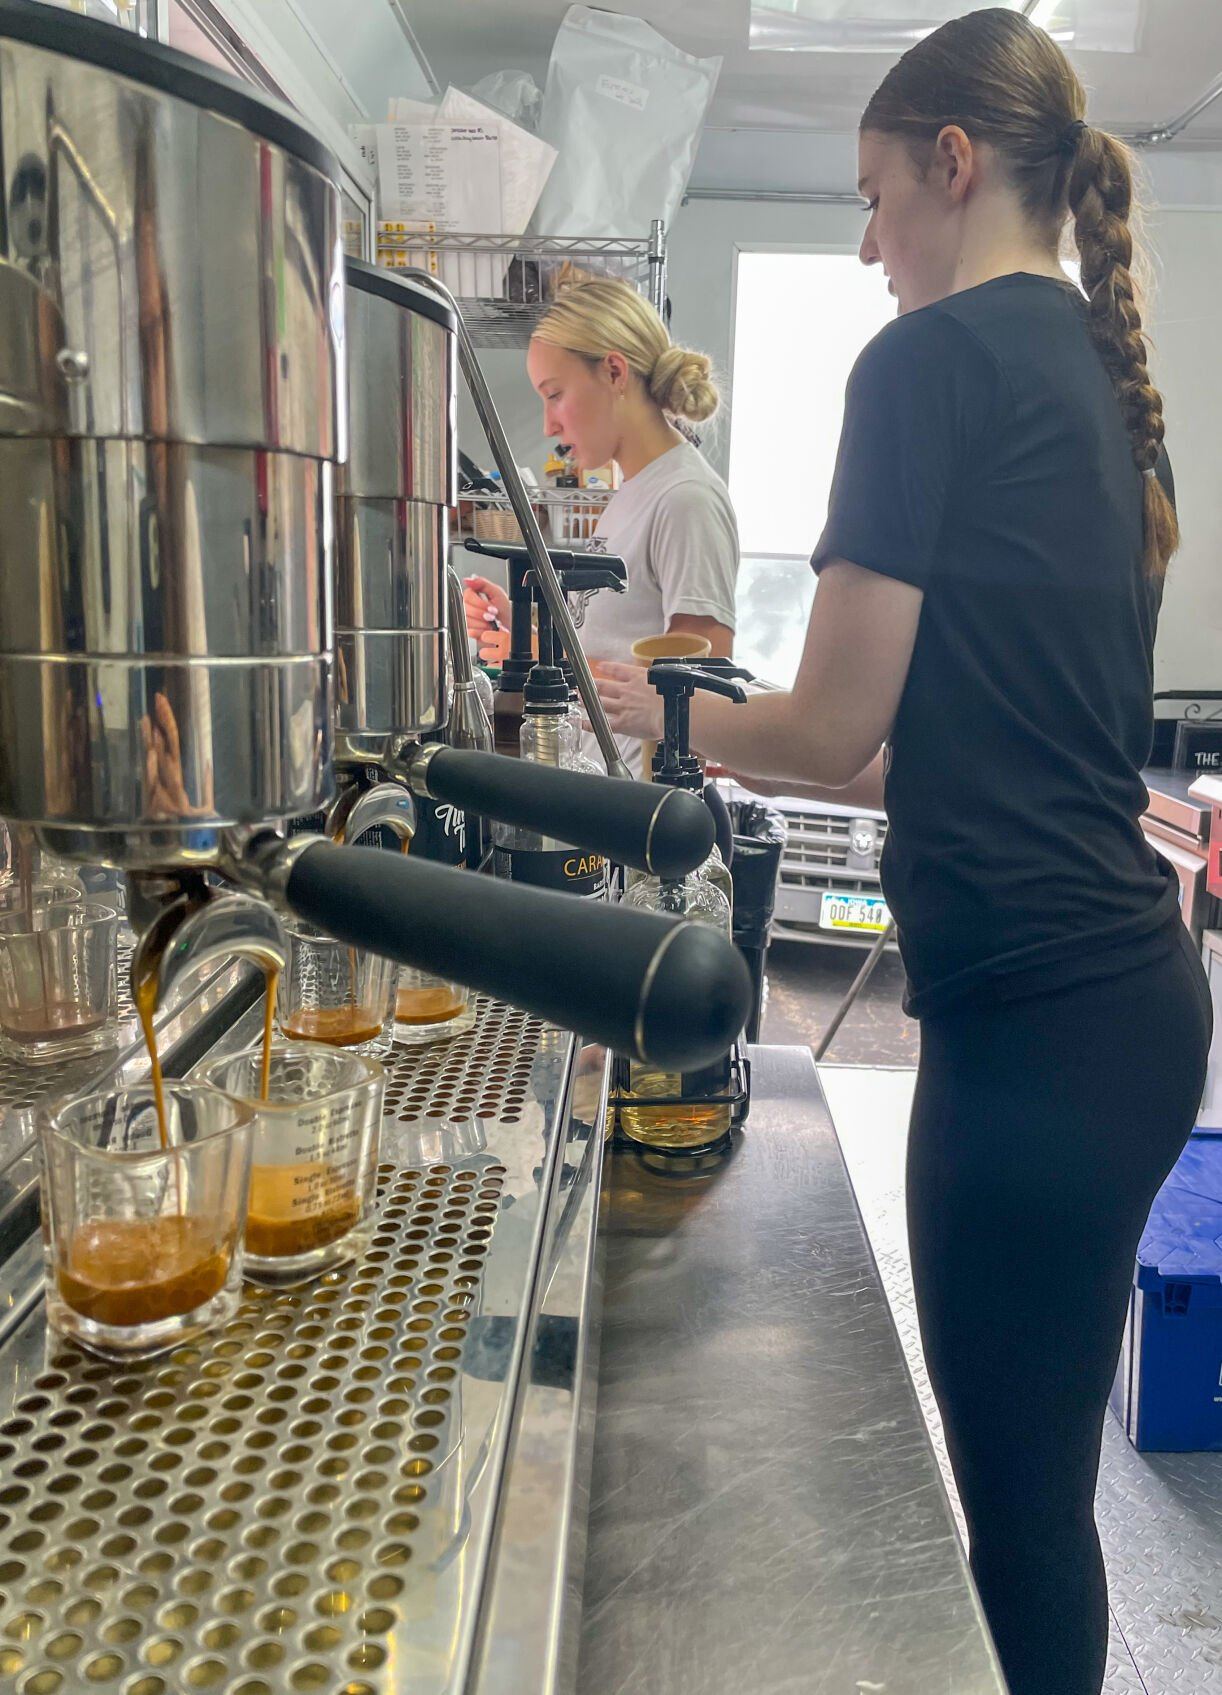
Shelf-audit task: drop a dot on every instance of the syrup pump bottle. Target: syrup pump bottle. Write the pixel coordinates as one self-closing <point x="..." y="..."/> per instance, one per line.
<point x="509" y="703"/>
<point x="516" y="667"/>
<point x="583" y="580"/>
<point x="673" y="763"/>
<point x="681" y="1112"/>
<point x="579" y="574"/>
<point x="548" y="736"/>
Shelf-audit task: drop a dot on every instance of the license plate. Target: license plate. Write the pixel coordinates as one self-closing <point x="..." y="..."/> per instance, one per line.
<point x="864" y="913"/>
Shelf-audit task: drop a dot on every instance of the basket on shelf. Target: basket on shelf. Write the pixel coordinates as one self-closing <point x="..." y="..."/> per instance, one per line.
<point x="567" y="517"/>
<point x="504" y="284"/>
<point x="491" y="523"/>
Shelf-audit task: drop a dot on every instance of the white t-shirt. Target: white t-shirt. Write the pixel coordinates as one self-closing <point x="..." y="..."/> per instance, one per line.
<point x="674" y="527"/>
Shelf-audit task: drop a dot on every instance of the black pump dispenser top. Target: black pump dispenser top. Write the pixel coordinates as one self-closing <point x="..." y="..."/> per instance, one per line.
<point x="546" y="689"/>
<point x="577" y="572"/>
<point x="677" y="680"/>
<point x="551" y="684"/>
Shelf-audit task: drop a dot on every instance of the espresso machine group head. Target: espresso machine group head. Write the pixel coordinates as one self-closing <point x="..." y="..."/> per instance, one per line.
<point x="173" y="420"/>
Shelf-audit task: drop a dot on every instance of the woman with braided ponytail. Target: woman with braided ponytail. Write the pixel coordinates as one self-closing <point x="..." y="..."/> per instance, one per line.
<point x="1000" y="522"/>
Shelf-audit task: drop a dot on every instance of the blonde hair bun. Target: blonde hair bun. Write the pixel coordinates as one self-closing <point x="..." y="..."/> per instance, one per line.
<point x="597" y="316"/>
<point x="682" y="384"/>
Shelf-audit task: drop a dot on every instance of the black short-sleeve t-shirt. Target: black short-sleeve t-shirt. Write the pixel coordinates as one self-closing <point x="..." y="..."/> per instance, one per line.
<point x="984" y="459"/>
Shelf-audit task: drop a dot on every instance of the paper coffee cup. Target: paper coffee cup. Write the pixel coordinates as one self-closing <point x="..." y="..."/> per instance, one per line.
<point x="674" y="644"/>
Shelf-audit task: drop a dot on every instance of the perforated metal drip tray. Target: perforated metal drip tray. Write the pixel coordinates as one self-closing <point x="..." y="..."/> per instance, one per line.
<point x="256" y="1503"/>
<point x="305" y="1500"/>
<point x="484" y="1075"/>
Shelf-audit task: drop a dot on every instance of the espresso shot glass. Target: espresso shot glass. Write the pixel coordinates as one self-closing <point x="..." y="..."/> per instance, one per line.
<point x="332" y="993"/>
<point x="58" y="980"/>
<point x="314" y="1155"/>
<point x="143" y="1226"/>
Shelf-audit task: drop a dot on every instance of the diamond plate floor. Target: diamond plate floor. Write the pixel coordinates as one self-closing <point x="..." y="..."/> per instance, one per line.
<point x="1160" y="1515"/>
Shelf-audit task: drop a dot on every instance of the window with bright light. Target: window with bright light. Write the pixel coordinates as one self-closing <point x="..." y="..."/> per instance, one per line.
<point x="801" y="320"/>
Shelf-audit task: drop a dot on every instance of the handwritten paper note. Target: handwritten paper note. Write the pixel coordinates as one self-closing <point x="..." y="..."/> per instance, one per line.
<point x="443" y="178"/>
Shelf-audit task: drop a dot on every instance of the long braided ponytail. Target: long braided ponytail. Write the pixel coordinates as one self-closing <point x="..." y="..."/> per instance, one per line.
<point x="1006" y="82"/>
<point x="1100" y="195"/>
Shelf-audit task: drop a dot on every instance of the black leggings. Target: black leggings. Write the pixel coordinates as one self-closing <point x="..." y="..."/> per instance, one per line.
<point x="1041" y="1132"/>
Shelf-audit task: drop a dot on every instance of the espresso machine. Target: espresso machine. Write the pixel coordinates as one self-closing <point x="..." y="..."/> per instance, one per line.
<point x="393" y="593"/>
<point x="212" y="624"/>
<point x="173" y="423"/>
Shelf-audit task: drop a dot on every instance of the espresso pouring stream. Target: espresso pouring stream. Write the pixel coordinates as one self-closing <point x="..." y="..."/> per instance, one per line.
<point x="144" y="994"/>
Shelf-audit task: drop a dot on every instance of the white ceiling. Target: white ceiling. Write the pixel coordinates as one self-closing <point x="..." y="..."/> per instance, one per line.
<point x="1179" y="54"/>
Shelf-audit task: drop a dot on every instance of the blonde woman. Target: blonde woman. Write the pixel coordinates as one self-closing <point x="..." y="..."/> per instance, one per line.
<point x="613" y="386"/>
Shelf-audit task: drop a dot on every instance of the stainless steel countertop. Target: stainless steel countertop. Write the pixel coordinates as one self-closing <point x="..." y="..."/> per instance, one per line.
<point x="767" y="1513"/>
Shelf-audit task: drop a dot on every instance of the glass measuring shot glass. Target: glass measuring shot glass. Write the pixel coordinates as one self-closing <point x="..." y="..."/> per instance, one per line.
<point x="14" y="897"/>
<point x="142" y="1243"/>
<point x="58" y="986"/>
<point x="335" y="994"/>
<point x="430" y="1009"/>
<point x="314" y="1155"/>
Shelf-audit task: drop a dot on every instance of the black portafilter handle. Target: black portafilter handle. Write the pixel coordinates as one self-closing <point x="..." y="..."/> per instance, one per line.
<point x="663" y="832"/>
<point x="654" y="988"/>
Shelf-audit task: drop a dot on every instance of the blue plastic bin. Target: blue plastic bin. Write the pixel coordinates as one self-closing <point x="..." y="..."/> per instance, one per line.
<point x="1168" y="1388"/>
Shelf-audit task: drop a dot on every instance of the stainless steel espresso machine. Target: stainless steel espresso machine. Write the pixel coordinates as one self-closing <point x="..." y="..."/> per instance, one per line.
<point x="173" y="426"/>
<point x="365" y="1484"/>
